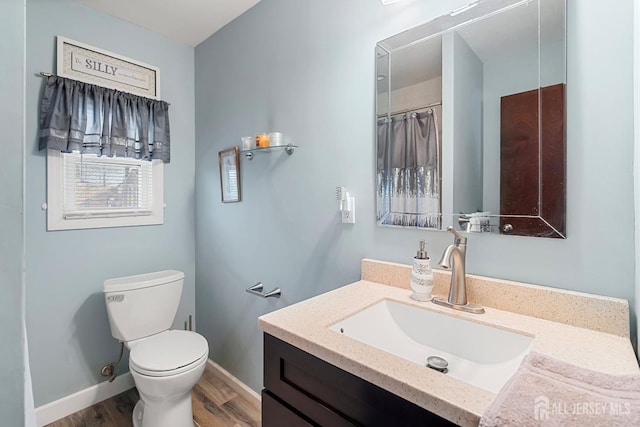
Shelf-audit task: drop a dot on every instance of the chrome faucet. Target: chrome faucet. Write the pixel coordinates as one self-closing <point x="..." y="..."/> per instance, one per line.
<point x="454" y="258"/>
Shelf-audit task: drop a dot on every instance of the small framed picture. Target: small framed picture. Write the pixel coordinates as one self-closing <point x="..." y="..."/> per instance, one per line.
<point x="229" y="175"/>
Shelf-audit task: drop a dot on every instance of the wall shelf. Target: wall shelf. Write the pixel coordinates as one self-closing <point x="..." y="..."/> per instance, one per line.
<point x="289" y="148"/>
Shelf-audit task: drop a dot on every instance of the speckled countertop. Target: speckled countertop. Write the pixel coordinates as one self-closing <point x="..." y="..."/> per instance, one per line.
<point x="305" y="325"/>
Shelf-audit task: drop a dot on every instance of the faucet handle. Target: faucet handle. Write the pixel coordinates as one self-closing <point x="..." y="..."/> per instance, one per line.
<point x="458" y="238"/>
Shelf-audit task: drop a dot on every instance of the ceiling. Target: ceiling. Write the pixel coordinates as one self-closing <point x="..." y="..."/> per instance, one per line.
<point x="188" y="21"/>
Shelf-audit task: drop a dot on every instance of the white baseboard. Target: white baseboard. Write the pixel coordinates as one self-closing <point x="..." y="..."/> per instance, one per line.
<point x="46" y="414"/>
<point x="238" y="386"/>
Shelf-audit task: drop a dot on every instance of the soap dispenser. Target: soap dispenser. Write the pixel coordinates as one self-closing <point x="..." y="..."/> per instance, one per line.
<point x="421" y="275"/>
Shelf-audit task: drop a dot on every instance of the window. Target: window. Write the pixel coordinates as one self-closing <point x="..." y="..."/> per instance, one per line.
<point x="87" y="191"/>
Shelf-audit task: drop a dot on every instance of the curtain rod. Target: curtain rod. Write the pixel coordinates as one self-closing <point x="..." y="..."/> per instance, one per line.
<point x="408" y="110"/>
<point x="43" y="74"/>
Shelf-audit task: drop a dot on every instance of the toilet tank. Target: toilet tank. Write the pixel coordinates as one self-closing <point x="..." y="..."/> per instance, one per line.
<point x="144" y="304"/>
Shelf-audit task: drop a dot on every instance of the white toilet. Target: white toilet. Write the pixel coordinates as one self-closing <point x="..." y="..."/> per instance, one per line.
<point x="165" y="364"/>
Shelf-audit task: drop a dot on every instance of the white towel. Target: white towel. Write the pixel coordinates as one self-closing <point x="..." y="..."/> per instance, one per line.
<point x="548" y="392"/>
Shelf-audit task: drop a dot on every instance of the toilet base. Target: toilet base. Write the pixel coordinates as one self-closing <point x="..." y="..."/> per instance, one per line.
<point x="138" y="411"/>
<point x="138" y="414"/>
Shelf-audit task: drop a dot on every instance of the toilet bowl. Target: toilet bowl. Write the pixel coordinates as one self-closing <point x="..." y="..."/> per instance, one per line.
<point x="165" y="368"/>
<point x="165" y="364"/>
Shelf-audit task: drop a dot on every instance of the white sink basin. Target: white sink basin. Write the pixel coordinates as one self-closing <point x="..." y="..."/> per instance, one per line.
<point x="480" y="355"/>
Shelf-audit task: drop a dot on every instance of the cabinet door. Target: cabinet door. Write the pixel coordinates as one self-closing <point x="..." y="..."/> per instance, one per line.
<point x="275" y="414"/>
<point x="331" y="397"/>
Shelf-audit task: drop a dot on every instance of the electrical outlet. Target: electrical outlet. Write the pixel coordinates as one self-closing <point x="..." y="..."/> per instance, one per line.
<point x="349" y="211"/>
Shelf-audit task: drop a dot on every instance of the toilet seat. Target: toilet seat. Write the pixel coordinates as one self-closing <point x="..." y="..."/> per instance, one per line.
<point x="168" y="353"/>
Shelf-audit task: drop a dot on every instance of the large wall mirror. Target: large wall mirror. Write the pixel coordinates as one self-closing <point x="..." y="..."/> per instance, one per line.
<point x="471" y="121"/>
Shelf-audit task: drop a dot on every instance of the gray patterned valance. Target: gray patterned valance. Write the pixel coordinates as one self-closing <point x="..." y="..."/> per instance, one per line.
<point x="77" y="116"/>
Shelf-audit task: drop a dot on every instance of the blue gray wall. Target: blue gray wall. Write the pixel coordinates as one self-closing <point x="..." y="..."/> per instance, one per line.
<point x="306" y="68"/>
<point x="462" y="71"/>
<point x="636" y="170"/>
<point x="11" y="225"/>
<point x="67" y="323"/>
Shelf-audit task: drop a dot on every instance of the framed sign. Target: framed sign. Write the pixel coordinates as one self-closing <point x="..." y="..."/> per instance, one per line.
<point x="86" y="63"/>
<point x="229" y="175"/>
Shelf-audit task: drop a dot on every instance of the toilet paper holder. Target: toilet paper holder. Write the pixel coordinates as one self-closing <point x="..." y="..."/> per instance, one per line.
<point x="258" y="288"/>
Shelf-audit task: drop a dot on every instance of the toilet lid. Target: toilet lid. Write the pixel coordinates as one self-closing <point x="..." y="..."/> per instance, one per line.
<point x="168" y="351"/>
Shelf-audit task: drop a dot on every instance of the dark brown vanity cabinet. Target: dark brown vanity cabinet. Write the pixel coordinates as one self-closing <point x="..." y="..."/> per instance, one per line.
<point x="302" y="390"/>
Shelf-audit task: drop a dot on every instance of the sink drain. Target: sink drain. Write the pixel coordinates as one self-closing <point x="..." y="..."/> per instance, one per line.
<point x="437" y="363"/>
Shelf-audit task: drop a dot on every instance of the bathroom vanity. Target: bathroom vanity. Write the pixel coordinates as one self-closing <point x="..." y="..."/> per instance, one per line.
<point x="316" y="375"/>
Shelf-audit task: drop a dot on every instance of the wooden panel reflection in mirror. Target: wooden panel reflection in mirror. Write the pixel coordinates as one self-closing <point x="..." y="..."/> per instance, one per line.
<point x="528" y="183"/>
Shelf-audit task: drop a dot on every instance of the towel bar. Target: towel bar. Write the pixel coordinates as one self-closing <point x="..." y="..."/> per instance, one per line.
<point x="257" y="290"/>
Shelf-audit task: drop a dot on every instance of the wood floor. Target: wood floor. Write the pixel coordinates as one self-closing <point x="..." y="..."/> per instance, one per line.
<point x="215" y="404"/>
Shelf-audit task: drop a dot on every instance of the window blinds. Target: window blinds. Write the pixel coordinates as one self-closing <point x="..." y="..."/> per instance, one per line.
<point x="103" y="187"/>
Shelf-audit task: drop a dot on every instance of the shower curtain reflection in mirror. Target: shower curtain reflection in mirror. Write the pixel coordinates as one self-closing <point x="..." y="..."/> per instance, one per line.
<point x="408" y="170"/>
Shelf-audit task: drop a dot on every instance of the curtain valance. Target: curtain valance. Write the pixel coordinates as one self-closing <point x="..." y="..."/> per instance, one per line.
<point x="78" y="116"/>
